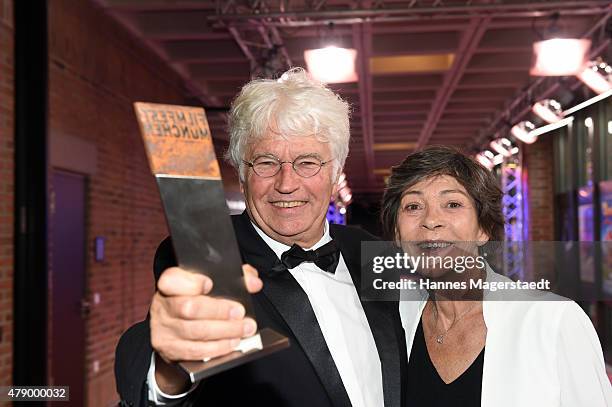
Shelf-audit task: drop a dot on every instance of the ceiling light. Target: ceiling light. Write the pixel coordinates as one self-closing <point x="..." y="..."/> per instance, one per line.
<point x="588" y="122"/>
<point x="548" y="110"/>
<point x="344" y="194"/>
<point x="522" y="132"/>
<point x="502" y="146"/>
<point x="482" y="159"/>
<point x="560" y="56"/>
<point x="596" y="77"/>
<point x="332" y="64"/>
<point x="498" y="159"/>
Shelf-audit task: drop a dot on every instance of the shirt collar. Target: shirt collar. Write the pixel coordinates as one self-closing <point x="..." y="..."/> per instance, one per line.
<point x="279" y="248"/>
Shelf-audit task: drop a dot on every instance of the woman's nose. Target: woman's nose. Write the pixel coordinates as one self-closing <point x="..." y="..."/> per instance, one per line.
<point x="431" y="219"/>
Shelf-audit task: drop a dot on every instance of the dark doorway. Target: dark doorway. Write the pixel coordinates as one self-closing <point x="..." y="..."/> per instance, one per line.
<point x="68" y="260"/>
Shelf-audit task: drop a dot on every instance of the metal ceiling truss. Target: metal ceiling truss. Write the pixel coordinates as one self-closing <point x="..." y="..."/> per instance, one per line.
<point x="513" y="209"/>
<point x="471" y="37"/>
<point x="313" y="12"/>
<point x="362" y="40"/>
<point x="267" y="55"/>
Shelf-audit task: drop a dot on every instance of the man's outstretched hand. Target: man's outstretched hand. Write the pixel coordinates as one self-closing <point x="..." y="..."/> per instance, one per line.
<point x="188" y="324"/>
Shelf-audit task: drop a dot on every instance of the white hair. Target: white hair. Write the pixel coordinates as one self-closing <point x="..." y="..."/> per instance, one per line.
<point x="292" y="106"/>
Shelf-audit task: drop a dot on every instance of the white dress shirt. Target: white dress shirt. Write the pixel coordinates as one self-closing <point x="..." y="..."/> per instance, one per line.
<point x="343" y="323"/>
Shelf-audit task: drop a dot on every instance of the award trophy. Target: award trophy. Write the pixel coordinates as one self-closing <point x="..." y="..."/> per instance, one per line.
<point x="181" y="156"/>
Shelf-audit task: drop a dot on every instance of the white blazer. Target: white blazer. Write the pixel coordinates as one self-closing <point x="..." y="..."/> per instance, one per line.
<point x="537" y="353"/>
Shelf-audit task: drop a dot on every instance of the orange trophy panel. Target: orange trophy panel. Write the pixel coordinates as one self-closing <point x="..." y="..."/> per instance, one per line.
<point x="177" y="140"/>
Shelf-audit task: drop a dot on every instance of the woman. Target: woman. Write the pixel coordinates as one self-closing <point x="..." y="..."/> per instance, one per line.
<point x="464" y="349"/>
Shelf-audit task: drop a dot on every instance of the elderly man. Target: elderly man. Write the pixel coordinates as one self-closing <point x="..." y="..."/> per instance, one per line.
<point x="288" y="141"/>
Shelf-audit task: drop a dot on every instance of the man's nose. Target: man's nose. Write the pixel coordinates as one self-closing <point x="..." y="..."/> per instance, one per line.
<point x="287" y="181"/>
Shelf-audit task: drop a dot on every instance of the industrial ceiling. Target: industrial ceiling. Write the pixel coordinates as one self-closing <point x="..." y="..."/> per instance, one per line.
<point x="430" y="72"/>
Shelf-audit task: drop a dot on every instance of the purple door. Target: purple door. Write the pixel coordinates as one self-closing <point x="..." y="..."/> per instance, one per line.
<point x="67" y="250"/>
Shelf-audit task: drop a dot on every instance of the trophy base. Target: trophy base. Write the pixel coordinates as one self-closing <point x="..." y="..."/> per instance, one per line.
<point x="271" y="341"/>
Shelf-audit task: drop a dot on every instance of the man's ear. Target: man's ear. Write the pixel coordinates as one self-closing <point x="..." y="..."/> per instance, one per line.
<point x="335" y="182"/>
<point x="335" y="188"/>
<point x="242" y="176"/>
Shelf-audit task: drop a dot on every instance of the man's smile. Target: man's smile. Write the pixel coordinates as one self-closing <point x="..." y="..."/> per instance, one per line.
<point x="288" y="204"/>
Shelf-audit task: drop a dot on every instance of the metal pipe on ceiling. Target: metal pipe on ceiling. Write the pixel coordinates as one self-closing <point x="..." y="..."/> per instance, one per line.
<point x="353" y="16"/>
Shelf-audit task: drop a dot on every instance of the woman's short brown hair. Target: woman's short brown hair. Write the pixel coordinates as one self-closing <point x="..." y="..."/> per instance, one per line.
<point x="433" y="161"/>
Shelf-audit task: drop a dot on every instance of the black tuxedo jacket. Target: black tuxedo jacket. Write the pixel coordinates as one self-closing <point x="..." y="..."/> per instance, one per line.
<point x="302" y="375"/>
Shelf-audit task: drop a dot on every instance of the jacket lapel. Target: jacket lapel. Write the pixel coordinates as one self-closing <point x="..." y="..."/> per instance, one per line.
<point x="292" y="303"/>
<point x="386" y="329"/>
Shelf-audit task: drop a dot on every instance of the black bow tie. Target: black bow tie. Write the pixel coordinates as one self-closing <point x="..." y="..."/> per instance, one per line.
<point x="325" y="257"/>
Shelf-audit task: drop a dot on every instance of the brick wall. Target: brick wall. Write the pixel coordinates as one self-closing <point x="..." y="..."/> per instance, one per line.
<point x="538" y="161"/>
<point x="6" y="191"/>
<point x="96" y="71"/>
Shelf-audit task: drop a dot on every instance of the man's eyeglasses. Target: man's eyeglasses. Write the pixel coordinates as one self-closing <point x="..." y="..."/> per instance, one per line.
<point x="269" y="166"/>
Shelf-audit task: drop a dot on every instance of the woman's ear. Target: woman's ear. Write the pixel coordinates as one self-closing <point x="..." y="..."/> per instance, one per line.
<point x="483" y="237"/>
<point x="396" y="238"/>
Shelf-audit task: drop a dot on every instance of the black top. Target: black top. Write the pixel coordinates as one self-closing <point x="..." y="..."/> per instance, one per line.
<point x="427" y="389"/>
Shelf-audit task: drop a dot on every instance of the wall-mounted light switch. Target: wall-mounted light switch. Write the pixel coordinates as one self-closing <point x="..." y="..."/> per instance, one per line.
<point x="99" y="242"/>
